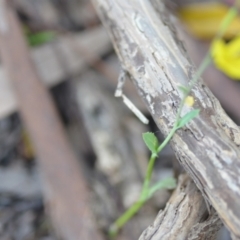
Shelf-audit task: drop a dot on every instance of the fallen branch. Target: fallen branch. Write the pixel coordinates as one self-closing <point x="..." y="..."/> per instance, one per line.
<point x="184" y="217"/>
<point x="150" y="52"/>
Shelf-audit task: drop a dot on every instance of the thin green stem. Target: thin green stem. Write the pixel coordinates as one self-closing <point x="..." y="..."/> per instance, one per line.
<point x="167" y="139"/>
<point x="148" y="176"/>
<point x="126" y="217"/>
<point x="152" y="162"/>
<point x="204" y="64"/>
<point x="144" y="194"/>
<point x="232" y="13"/>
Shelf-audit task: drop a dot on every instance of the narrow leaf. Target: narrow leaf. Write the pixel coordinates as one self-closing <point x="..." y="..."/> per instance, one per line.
<point x="151" y="141"/>
<point x="184" y="89"/>
<point x="167" y="183"/>
<point x="40" y="38"/>
<point x="188" y="117"/>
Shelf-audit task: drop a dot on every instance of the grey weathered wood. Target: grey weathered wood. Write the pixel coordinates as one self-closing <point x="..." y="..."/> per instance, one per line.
<point x="56" y="61"/>
<point x="184" y="217"/>
<point x="208" y="147"/>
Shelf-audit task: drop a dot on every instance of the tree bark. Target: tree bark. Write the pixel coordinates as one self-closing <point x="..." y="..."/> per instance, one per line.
<point x="208" y="147"/>
<point x="184" y="217"/>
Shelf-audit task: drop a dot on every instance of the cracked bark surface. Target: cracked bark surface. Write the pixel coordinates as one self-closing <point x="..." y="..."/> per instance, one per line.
<point x="208" y="147"/>
<point x="184" y="217"/>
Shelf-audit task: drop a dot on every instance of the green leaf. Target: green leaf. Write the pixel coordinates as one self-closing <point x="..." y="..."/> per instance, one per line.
<point x="184" y="89"/>
<point x="187" y="118"/>
<point x="167" y="183"/>
<point x="40" y="38"/>
<point x="151" y="141"/>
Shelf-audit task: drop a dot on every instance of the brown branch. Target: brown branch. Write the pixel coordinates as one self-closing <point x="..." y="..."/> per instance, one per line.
<point x="64" y="187"/>
<point x="208" y="147"/>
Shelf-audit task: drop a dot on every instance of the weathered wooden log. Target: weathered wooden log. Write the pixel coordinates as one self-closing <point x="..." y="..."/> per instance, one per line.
<point x="151" y="53"/>
<point x="184" y="217"/>
<point x="65" y="190"/>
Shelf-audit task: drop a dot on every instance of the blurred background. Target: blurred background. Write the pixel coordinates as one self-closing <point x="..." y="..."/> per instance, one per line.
<point x="75" y="60"/>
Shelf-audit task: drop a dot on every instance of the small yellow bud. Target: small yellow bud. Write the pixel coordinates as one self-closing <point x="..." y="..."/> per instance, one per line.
<point x="189" y="101"/>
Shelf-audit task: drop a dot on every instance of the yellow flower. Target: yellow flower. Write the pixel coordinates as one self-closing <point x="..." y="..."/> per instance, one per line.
<point x="203" y="19"/>
<point x="226" y="56"/>
<point x="189" y="101"/>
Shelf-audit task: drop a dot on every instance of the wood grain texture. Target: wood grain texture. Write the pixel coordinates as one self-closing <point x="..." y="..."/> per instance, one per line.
<point x="208" y="147"/>
<point x="184" y="217"/>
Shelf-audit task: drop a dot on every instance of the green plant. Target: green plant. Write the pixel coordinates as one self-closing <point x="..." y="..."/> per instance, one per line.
<point x="152" y="142"/>
<point x="38" y="38"/>
<point x="168" y="183"/>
